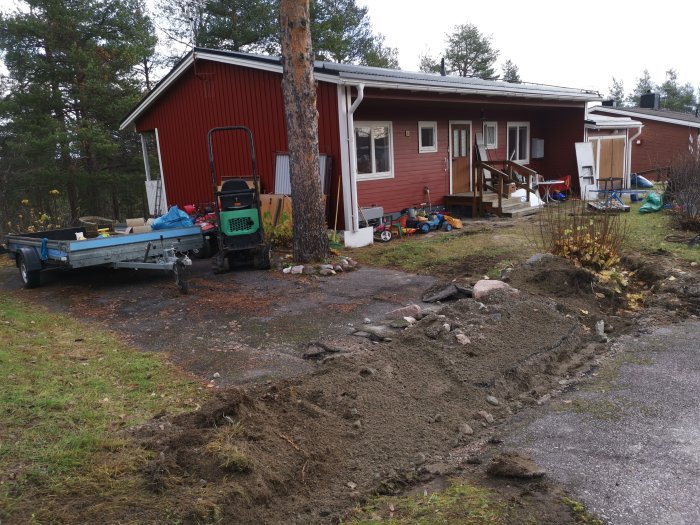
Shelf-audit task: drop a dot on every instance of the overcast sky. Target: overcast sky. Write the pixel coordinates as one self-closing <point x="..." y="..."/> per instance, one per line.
<point x="560" y="43"/>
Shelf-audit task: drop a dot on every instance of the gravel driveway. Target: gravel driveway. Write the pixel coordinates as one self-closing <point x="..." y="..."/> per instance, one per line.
<point x="627" y="444"/>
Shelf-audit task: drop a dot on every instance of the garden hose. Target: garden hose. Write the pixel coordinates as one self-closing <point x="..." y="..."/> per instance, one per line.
<point x="690" y="240"/>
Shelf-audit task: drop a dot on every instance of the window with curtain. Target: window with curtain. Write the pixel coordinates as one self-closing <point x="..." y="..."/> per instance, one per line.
<point x="519" y="142"/>
<point x="373" y="150"/>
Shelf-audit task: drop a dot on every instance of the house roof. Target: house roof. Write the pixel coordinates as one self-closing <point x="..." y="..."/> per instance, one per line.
<point x="347" y="74"/>
<point x="607" y="122"/>
<point x="660" y="115"/>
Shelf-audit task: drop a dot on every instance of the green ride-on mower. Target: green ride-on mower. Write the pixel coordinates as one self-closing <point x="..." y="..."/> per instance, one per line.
<point x="241" y="239"/>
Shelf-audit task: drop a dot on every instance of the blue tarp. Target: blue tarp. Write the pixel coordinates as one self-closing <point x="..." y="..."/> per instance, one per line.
<point x="637" y="181"/>
<point x="175" y="218"/>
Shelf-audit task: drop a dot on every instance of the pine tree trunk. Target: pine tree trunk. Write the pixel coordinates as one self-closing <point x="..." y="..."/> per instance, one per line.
<point x="299" y="89"/>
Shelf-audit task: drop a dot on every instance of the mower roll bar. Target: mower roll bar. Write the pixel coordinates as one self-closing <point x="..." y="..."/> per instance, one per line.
<point x="212" y="169"/>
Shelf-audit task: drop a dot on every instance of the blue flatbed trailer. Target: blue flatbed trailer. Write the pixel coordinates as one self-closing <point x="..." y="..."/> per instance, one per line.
<point x="164" y="250"/>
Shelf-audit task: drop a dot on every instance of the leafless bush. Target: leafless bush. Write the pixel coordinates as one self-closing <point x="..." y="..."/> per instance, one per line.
<point x="683" y="191"/>
<point x="593" y="240"/>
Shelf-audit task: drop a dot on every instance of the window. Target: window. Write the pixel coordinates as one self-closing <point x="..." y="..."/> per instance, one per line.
<point x="427" y="137"/>
<point x="519" y="142"/>
<point x="491" y="135"/>
<point x="373" y="150"/>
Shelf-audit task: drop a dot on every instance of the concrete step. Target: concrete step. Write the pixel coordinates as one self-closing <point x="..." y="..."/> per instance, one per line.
<point x="522" y="210"/>
<point x="510" y="203"/>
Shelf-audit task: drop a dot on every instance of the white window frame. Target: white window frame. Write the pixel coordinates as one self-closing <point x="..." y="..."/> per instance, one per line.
<point x="375" y="175"/>
<point x="427" y="149"/>
<point x="494" y="125"/>
<point x="526" y="125"/>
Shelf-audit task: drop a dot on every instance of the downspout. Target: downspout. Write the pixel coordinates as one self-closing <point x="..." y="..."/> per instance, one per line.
<point x="629" y="156"/>
<point x="353" y="157"/>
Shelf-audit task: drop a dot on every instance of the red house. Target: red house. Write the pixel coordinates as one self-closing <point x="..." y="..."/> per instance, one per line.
<point x="665" y="136"/>
<point x="394" y="138"/>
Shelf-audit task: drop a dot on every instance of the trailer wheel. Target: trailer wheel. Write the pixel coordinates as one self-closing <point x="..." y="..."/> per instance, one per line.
<point x="30" y="278"/>
<point x="180" y="277"/>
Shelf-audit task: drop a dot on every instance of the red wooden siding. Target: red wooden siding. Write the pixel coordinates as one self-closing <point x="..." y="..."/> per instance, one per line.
<point x="560" y="128"/>
<point x="213" y="94"/>
<point x="661" y="142"/>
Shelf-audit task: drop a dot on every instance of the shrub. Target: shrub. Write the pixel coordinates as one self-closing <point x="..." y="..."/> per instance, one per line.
<point x="683" y="191"/>
<point x="279" y="235"/>
<point x="29" y="218"/>
<point x="593" y="240"/>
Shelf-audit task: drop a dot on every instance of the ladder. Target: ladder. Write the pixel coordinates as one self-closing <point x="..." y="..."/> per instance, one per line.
<point x="157" y="201"/>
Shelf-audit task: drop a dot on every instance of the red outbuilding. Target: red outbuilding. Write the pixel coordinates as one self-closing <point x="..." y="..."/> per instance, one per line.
<point x="665" y="136"/>
<point x="390" y="138"/>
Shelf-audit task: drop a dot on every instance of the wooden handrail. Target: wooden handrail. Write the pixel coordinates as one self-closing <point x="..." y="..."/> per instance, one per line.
<point x="506" y="175"/>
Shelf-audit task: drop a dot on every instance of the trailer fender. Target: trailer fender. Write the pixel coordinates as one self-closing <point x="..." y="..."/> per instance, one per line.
<point x="31" y="258"/>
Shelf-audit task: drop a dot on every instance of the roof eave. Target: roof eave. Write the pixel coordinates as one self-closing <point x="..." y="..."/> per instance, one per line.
<point x="657" y="118"/>
<point x="324" y="74"/>
<point x="466" y="90"/>
<point x="153" y="95"/>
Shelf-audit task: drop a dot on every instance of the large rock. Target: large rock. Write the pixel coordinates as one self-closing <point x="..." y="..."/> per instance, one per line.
<point x="451" y="291"/>
<point x="412" y="310"/>
<point x="380" y="332"/>
<point x="487" y="286"/>
<point x="514" y="465"/>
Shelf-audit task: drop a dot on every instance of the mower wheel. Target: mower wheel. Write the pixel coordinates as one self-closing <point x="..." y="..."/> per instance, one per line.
<point x="261" y="259"/>
<point x="424" y="227"/>
<point x="446" y="226"/>
<point x="218" y="263"/>
<point x="385" y="236"/>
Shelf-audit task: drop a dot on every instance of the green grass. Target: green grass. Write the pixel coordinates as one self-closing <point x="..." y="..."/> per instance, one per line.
<point x="646" y="233"/>
<point x="580" y="513"/>
<point x="66" y="389"/>
<point x="489" y="249"/>
<point x="460" y="503"/>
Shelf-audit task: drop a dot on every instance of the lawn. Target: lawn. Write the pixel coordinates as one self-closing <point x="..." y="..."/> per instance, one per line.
<point x="497" y="243"/>
<point x="488" y="245"/>
<point x="67" y="390"/>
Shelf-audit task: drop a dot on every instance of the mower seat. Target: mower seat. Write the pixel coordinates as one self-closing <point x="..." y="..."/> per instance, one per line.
<point x="236" y="195"/>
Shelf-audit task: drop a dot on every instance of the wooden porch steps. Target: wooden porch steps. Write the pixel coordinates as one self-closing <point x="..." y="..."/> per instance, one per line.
<point x="521" y="209"/>
<point x="510" y="207"/>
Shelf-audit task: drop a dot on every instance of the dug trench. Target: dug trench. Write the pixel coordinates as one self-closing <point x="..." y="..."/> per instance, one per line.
<point x="415" y="406"/>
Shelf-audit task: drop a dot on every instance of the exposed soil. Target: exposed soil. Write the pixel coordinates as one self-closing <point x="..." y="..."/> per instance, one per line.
<point x="297" y="440"/>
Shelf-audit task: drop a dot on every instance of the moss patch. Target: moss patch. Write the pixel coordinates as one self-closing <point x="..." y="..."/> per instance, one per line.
<point x="460" y="503"/>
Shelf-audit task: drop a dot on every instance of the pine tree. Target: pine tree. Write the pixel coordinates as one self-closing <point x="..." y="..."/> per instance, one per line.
<point x="510" y="72"/>
<point x="71" y="78"/>
<point x="617" y="92"/>
<point x="310" y="241"/>
<point x="235" y="25"/>
<point x="644" y="86"/>
<point x="676" y="97"/>
<point x="469" y="53"/>
<point x="341" y="30"/>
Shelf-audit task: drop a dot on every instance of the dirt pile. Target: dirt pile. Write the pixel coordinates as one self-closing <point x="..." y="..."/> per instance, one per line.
<point x="373" y="414"/>
<point x="372" y="420"/>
